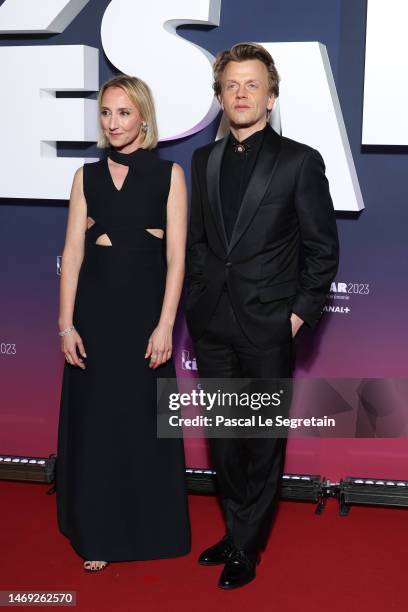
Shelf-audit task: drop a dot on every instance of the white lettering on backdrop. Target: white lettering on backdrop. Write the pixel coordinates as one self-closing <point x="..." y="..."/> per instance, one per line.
<point x="179" y="73"/>
<point x="34" y="119"/>
<point x="38" y="16"/>
<point x="385" y="86"/>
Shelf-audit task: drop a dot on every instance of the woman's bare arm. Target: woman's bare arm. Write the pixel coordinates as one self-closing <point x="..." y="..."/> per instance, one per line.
<point x="72" y="257"/>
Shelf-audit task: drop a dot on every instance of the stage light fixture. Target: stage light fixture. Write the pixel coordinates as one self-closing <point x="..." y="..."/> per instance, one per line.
<point x="372" y="491"/>
<point x="200" y="481"/>
<point x="34" y="469"/>
<point x="304" y="487"/>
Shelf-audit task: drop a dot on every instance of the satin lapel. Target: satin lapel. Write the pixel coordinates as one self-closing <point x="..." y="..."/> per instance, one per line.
<point x="213" y="187"/>
<point x="258" y="184"/>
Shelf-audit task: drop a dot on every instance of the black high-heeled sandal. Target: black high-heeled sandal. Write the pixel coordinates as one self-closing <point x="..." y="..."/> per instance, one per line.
<point x="95" y="569"/>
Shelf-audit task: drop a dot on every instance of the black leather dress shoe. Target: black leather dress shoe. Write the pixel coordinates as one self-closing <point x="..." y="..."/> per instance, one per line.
<point x="217" y="554"/>
<point x="239" y="569"/>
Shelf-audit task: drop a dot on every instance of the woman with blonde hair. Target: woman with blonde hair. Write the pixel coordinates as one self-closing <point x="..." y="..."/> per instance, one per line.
<point x="121" y="492"/>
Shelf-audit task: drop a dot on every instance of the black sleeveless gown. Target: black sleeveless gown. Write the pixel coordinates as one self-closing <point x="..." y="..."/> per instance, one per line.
<point x="121" y="491"/>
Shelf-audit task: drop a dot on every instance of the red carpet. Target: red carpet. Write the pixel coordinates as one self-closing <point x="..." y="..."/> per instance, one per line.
<point x="312" y="563"/>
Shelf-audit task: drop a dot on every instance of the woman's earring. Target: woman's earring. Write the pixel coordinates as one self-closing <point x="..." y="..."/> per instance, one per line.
<point x="144" y="126"/>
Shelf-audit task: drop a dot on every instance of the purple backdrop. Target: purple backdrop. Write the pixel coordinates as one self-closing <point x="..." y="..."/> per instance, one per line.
<point x="365" y="338"/>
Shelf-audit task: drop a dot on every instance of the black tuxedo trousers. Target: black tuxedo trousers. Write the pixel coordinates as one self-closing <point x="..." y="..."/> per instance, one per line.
<point x="248" y="470"/>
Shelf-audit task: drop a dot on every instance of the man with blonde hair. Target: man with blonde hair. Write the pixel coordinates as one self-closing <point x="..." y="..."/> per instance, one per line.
<point x="262" y="253"/>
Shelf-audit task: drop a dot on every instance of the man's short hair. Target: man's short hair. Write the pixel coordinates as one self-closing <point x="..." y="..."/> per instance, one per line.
<point x="240" y="53"/>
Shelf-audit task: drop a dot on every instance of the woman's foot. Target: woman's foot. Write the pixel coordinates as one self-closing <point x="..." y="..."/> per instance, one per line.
<point x="95" y="566"/>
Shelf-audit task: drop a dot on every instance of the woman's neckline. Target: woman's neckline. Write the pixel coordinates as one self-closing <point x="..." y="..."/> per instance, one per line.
<point x="126" y="159"/>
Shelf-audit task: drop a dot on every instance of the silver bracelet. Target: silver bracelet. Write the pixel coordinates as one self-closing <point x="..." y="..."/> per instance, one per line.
<point x="66" y="331"/>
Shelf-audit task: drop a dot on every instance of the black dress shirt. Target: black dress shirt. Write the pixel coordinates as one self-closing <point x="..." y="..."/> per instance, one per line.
<point x="236" y="171"/>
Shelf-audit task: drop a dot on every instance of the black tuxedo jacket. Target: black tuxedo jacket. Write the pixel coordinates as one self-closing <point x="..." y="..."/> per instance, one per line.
<point x="283" y="252"/>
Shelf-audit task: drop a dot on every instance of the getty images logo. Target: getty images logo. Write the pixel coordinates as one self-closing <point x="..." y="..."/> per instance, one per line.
<point x="186" y="362"/>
